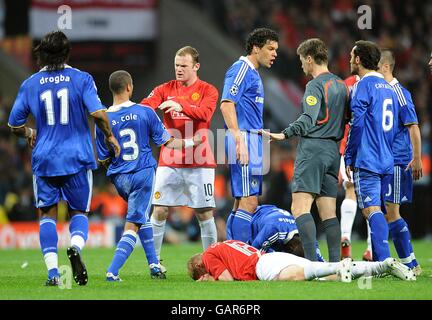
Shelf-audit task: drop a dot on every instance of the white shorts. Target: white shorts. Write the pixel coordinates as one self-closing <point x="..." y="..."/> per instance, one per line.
<point x="271" y="264"/>
<point x="191" y="187"/>
<point x="343" y="173"/>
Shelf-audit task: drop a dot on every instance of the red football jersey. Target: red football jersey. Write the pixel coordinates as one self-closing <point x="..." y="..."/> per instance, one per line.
<point x="349" y="82"/>
<point x="199" y="103"/>
<point x="237" y="257"/>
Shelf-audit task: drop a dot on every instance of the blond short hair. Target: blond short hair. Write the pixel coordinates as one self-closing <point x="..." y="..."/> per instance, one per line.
<point x="191" y="51"/>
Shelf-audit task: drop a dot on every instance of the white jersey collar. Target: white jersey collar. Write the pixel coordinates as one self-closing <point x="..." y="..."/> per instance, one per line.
<point x="373" y="74"/>
<point x="394" y="82"/>
<point x="117" y="107"/>
<point x="245" y="59"/>
<point x="66" y="66"/>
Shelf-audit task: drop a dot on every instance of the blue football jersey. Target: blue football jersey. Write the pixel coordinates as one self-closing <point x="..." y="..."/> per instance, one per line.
<point x="59" y="101"/>
<point x="402" y="148"/>
<point x="243" y="86"/>
<point x="374" y="122"/>
<point x="271" y="226"/>
<point x="133" y="125"/>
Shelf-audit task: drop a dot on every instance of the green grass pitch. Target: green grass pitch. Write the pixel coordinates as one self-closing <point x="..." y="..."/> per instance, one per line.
<point x="23" y="273"/>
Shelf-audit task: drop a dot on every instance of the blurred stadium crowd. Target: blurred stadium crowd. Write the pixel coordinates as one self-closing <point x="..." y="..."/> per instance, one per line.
<point x="403" y="26"/>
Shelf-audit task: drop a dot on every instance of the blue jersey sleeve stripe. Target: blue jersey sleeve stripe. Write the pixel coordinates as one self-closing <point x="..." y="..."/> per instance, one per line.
<point x="227" y="100"/>
<point x="103" y="109"/>
<point x="240" y="75"/>
<point x="400" y="95"/>
<point x="15" y="127"/>
<point x="400" y="88"/>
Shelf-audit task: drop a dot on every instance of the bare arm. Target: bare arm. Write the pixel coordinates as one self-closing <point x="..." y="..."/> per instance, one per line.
<point x="26" y="132"/>
<point x="415" y="163"/>
<point x="230" y="117"/>
<point x="226" y="276"/>
<point x="101" y="121"/>
<point x="175" y="143"/>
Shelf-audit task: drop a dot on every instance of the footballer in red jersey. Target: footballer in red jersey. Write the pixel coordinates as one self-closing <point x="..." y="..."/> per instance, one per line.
<point x="235" y="260"/>
<point x="185" y="177"/>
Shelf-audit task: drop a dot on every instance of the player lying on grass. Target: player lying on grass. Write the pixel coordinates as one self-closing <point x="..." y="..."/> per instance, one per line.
<point x="235" y="260"/>
<point x="274" y="229"/>
<point x="133" y="171"/>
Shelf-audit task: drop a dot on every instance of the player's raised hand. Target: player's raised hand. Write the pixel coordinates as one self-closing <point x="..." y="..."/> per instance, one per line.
<point x="113" y="143"/>
<point x="272" y="136"/>
<point x="170" y="105"/>
<point x="417" y="170"/>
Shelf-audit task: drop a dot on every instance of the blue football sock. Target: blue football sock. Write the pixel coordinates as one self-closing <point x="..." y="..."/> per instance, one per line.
<point x="124" y="248"/>
<point x="401" y="239"/>
<point x="145" y="234"/>
<point x="78" y="229"/>
<point x="379" y="236"/>
<point x="241" y="226"/>
<point x="229" y="225"/>
<point x="48" y="241"/>
<point x="414" y="260"/>
<point x="320" y="257"/>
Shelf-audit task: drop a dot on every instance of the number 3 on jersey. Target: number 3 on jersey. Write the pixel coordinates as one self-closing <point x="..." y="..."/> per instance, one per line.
<point x="131" y="144"/>
<point x="387" y="120"/>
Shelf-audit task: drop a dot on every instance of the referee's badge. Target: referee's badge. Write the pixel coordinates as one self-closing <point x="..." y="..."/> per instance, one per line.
<point x="311" y="100"/>
<point x="234" y="90"/>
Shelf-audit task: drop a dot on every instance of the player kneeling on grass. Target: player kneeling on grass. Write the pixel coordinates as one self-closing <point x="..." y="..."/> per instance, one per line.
<point x="274" y="229"/>
<point x="235" y="260"/>
<point x="133" y="171"/>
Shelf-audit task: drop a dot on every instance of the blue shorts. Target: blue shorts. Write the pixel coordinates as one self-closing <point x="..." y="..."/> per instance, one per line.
<point x="246" y="180"/>
<point x="75" y="189"/>
<point x="369" y="188"/>
<point x="399" y="185"/>
<point x="137" y="189"/>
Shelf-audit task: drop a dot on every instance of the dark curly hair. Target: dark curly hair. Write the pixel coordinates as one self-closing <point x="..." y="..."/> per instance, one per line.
<point x="369" y="54"/>
<point x="259" y="38"/>
<point x="53" y="51"/>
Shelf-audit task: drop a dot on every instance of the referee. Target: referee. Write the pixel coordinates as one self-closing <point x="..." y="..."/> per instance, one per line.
<point x="320" y="128"/>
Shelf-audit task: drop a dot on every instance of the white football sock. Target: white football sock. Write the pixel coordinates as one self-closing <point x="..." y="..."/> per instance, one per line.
<point x="319" y="269"/>
<point x="208" y="232"/>
<point x="77" y="241"/>
<point x="348" y="213"/>
<point x="158" y="234"/>
<point x="51" y="260"/>
<point x="366" y="268"/>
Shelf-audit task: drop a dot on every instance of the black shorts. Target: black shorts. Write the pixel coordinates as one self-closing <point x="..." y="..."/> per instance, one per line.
<point x="316" y="168"/>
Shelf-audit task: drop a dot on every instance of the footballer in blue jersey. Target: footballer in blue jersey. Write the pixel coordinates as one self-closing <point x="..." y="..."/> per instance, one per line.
<point x="242" y="106"/>
<point x="407" y="165"/>
<point x="133" y="171"/>
<point x="59" y="98"/>
<point x="369" y="154"/>
<point x="274" y="229"/>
